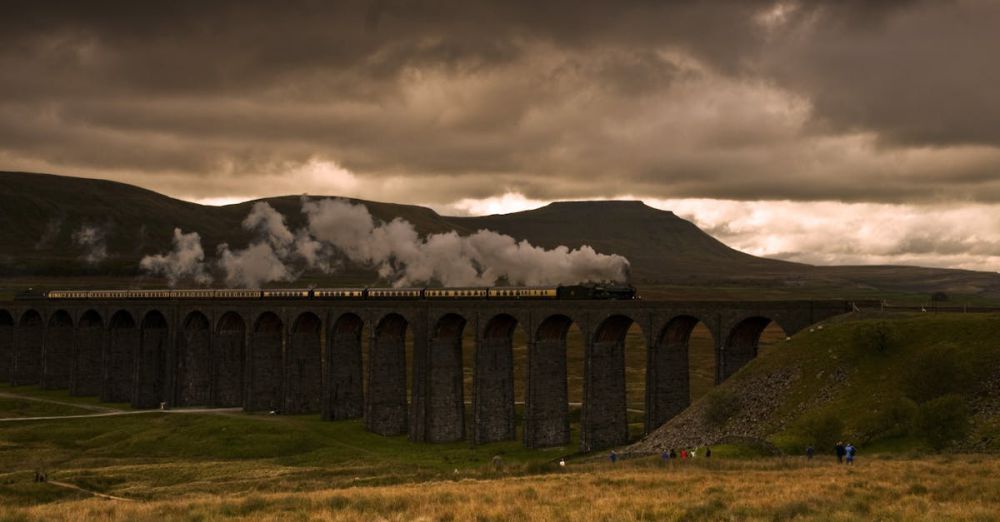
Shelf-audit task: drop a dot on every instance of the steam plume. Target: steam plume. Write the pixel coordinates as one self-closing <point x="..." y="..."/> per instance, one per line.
<point x="480" y="259"/>
<point x="186" y="261"/>
<point x="92" y="239"/>
<point x="338" y="228"/>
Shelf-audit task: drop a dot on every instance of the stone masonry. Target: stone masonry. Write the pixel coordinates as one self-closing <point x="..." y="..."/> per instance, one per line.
<point x="306" y="356"/>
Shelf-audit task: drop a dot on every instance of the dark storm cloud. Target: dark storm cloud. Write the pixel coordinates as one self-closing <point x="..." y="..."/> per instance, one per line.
<point x="437" y="101"/>
<point x="922" y="73"/>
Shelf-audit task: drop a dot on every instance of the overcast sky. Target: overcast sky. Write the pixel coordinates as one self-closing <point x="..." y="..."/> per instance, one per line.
<point x="827" y="132"/>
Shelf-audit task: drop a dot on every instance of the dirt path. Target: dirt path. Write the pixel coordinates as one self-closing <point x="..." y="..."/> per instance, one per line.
<point x="116" y="413"/>
<point x="94" y="493"/>
<point x="92" y="407"/>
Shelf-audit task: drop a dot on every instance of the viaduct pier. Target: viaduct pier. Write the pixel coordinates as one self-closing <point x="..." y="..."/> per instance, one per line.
<point x="307" y="356"/>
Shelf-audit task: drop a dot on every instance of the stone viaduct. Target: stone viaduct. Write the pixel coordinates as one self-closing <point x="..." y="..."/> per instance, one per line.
<point x="306" y="356"/>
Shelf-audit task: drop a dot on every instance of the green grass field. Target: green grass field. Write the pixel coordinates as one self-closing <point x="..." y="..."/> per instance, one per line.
<point x="232" y="465"/>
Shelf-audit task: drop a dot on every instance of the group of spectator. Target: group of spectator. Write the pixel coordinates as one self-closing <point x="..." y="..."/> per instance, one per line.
<point x="844" y="452"/>
<point x="684" y="454"/>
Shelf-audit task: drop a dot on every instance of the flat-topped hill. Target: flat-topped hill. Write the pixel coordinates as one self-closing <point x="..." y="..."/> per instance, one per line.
<point x="40" y="214"/>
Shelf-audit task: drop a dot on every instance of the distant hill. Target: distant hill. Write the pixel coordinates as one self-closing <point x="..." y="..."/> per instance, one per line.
<point x="40" y="213"/>
<point x="884" y="382"/>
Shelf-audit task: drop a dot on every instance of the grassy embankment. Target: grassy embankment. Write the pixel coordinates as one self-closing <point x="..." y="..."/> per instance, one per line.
<point x="900" y="382"/>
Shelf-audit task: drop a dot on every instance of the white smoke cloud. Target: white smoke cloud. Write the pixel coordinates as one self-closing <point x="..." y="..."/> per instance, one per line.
<point x="338" y="228"/>
<point x="93" y="241"/>
<point x="484" y="258"/>
<point x="186" y="261"/>
<point x="271" y="224"/>
<point x="264" y="260"/>
<point x="252" y="266"/>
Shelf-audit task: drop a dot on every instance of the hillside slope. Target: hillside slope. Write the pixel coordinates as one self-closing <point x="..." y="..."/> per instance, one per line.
<point x="41" y="214"/>
<point x="660" y="245"/>
<point x="893" y="382"/>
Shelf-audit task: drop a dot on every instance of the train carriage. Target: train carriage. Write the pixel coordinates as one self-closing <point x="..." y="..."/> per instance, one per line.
<point x="339" y="293"/>
<point x="456" y="293"/>
<point x="523" y="292"/>
<point x="285" y="293"/>
<point x="68" y="294"/>
<point x="395" y="293"/>
<point x="599" y="291"/>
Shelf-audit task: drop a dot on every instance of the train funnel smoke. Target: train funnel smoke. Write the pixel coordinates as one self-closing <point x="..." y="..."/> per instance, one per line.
<point x="185" y="262"/>
<point x="93" y="241"/>
<point x="481" y="259"/>
<point x="338" y="229"/>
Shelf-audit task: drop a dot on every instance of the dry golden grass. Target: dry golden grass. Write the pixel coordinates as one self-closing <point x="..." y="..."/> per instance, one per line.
<point x="941" y="488"/>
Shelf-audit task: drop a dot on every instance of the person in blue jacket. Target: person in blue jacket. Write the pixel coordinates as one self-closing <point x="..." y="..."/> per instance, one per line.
<point x="849" y="452"/>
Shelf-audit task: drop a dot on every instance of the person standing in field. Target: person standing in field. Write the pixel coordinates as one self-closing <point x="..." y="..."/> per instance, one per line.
<point x="849" y="452"/>
<point x="839" y="449"/>
<point x="665" y="456"/>
<point x="694" y="452"/>
<point x="708" y="452"/>
<point x="684" y="454"/>
<point x="810" y="451"/>
<point x="613" y="457"/>
<point x="673" y="454"/>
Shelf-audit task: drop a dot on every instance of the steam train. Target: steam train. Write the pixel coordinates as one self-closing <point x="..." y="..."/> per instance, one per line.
<point x="592" y="291"/>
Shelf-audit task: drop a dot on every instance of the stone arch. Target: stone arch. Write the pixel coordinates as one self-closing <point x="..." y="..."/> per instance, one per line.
<point x="741" y="346"/>
<point x="546" y="414"/>
<point x="194" y="361"/>
<point x="304" y="368"/>
<point x="668" y="388"/>
<point x="58" y="353"/>
<point x="266" y="343"/>
<point x="493" y="383"/>
<point x="123" y="341"/>
<point x="229" y="355"/>
<point x="344" y="369"/>
<point x="86" y="374"/>
<point x="385" y="401"/>
<point x="151" y="361"/>
<point x="6" y="345"/>
<point x="605" y="410"/>
<point x="445" y="408"/>
<point x="28" y="339"/>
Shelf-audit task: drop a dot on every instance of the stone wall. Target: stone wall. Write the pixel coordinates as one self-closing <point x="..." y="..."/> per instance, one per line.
<point x="229" y="350"/>
<point x="6" y="346"/>
<point x="668" y="390"/>
<point x="194" y="362"/>
<point x="385" y="400"/>
<point x="27" y="359"/>
<point x="87" y="353"/>
<point x="123" y="340"/>
<point x="547" y="404"/>
<point x="250" y="357"/>
<point x="345" y="397"/>
<point x="493" y="383"/>
<point x="57" y="355"/>
<point x="741" y="346"/>
<point x="266" y="347"/>
<point x="445" y="402"/>
<point x="151" y="362"/>
<point x="304" y="367"/>
<point x="604" y="419"/>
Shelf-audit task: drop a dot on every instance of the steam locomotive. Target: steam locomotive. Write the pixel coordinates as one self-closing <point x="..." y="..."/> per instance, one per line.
<point x="591" y="291"/>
